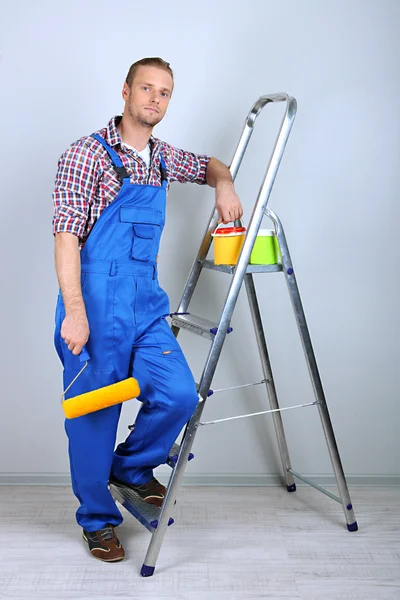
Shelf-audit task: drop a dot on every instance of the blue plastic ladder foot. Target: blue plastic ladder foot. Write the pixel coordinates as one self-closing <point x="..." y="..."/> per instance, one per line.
<point x="291" y="488"/>
<point x="147" y="571"/>
<point x="352" y="526"/>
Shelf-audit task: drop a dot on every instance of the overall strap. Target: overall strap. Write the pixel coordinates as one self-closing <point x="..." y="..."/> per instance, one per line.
<point x="119" y="167"/>
<point x="115" y="159"/>
<point x="163" y="169"/>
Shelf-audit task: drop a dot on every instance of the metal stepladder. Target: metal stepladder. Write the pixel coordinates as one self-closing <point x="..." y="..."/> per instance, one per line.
<point x="157" y="520"/>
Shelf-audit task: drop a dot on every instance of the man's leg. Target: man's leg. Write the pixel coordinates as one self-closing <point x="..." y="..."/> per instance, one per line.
<point x="92" y="436"/>
<point x="91" y="445"/>
<point x="169" y="397"/>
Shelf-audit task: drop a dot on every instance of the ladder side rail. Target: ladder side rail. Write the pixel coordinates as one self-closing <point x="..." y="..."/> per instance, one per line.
<point x="269" y="383"/>
<point x="171" y="491"/>
<point x="243" y="261"/>
<point x="313" y="369"/>
<point x="297" y="307"/>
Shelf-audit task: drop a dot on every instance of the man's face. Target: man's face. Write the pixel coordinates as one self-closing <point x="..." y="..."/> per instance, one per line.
<point x="147" y="100"/>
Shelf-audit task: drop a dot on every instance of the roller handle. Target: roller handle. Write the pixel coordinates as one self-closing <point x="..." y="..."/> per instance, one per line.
<point x="84" y="355"/>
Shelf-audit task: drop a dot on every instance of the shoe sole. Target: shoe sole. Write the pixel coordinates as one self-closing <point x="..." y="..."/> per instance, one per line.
<point x="98" y="557"/>
<point x="153" y="500"/>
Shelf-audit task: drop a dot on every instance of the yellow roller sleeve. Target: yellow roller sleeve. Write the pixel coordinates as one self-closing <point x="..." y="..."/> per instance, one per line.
<point x="101" y="398"/>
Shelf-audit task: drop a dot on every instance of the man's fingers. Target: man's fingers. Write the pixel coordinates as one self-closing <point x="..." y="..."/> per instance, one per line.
<point x="225" y="217"/>
<point x="230" y="215"/>
<point x="76" y="348"/>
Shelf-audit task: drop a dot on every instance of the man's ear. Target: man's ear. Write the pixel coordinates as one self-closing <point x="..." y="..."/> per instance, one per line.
<point x="125" y="91"/>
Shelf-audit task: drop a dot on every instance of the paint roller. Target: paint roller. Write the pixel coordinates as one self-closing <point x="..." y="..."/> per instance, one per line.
<point x="116" y="393"/>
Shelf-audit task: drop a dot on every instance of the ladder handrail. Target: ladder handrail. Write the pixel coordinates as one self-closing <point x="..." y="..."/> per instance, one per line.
<point x="265" y="189"/>
<point x="290" y="113"/>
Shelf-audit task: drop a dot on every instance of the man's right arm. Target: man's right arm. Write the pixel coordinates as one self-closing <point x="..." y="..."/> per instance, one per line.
<point x="75" y="327"/>
<point x="75" y="188"/>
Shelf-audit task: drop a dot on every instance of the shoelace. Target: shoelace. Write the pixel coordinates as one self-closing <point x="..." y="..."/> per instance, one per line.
<point x="106" y="533"/>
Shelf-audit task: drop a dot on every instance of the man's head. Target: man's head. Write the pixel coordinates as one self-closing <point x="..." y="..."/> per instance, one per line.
<point x="147" y="91"/>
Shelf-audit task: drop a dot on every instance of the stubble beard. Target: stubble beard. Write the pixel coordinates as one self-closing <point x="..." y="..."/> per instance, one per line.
<point x="143" y="121"/>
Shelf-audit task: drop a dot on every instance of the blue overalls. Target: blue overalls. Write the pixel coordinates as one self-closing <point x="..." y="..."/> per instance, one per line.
<point x="126" y="310"/>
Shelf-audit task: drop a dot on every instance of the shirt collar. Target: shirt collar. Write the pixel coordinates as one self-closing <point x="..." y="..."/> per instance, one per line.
<point x="113" y="138"/>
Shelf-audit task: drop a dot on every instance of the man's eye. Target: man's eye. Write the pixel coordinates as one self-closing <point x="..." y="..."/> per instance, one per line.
<point x="164" y="94"/>
<point x="145" y="88"/>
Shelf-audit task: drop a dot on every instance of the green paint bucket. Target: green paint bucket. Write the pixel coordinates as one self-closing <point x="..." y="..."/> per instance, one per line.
<point x="266" y="248"/>
<point x="277" y="250"/>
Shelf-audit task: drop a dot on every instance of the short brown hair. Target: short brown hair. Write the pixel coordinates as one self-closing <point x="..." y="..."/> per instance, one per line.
<point x="148" y="62"/>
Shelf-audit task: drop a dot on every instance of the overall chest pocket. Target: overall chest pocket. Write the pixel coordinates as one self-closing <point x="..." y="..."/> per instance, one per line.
<point x="146" y="230"/>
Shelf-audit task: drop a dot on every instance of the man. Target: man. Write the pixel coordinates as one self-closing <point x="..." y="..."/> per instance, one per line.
<point x="109" y="202"/>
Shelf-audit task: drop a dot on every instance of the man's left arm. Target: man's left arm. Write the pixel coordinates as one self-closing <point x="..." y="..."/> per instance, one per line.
<point x="227" y="202"/>
<point x="198" y="168"/>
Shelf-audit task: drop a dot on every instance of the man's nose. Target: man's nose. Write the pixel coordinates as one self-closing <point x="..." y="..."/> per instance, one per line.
<point x="155" y="98"/>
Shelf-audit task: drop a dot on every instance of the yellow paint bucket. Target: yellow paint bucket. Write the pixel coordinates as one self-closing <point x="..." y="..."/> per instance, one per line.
<point x="228" y="243"/>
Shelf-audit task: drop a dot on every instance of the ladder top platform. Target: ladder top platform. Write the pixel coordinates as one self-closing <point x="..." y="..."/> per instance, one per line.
<point x="209" y="264"/>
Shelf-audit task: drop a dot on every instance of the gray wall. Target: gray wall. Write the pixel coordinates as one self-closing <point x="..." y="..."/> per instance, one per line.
<point x="62" y="67"/>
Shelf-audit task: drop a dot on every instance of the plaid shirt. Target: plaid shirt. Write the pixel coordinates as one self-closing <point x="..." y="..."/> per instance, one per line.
<point x="86" y="181"/>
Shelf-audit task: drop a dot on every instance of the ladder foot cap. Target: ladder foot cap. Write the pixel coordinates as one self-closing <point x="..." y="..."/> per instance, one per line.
<point x="291" y="488"/>
<point x="147" y="571"/>
<point x="352" y="526"/>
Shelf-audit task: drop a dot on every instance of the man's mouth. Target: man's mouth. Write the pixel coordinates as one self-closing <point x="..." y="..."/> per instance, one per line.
<point x="151" y="109"/>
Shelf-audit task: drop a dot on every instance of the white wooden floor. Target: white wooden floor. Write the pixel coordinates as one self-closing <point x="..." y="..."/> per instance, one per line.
<point x="227" y="543"/>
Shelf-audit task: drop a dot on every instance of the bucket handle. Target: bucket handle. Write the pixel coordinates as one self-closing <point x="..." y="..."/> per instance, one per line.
<point x="236" y="223"/>
<point x="83" y="357"/>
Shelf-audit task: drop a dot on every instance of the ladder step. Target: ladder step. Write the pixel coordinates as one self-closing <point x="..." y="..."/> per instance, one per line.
<point x="209" y="264"/>
<point x="173" y="455"/>
<point x="196" y="325"/>
<point x="146" y="514"/>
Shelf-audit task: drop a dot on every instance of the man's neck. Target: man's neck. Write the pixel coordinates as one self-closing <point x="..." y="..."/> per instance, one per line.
<point x="134" y="135"/>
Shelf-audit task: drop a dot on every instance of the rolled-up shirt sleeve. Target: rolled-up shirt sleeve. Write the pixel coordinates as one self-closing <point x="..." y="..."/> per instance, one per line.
<point x="75" y="185"/>
<point x="187" y="167"/>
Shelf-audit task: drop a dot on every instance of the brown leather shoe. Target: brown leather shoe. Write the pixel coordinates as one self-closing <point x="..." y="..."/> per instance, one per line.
<point x="152" y="492"/>
<point x="104" y="544"/>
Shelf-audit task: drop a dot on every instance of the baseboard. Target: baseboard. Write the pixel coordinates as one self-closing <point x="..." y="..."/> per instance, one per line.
<point x="214" y="480"/>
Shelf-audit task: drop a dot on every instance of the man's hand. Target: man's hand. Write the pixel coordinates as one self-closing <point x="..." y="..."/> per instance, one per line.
<point x="75" y="332"/>
<point x="227" y="203"/>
